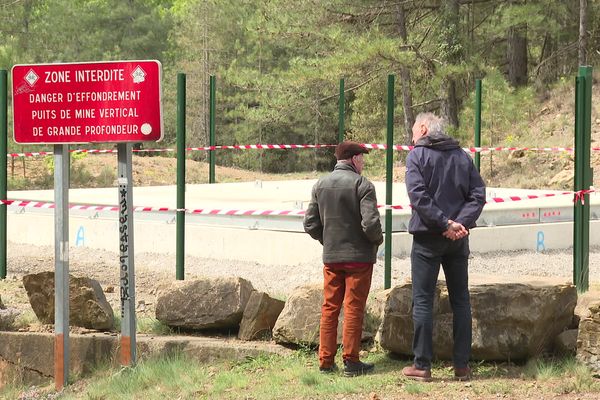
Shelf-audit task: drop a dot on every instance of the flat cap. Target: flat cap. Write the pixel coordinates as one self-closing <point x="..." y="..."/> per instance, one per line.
<point x="348" y="149"/>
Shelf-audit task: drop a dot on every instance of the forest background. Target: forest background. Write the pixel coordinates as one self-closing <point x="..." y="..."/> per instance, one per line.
<point x="278" y="63"/>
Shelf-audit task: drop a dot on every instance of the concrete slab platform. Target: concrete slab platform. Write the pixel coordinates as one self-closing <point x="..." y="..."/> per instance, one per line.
<point x="267" y="195"/>
<point x="541" y="224"/>
<point x="30" y="356"/>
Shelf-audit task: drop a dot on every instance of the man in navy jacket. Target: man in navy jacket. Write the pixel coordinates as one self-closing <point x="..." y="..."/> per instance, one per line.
<point x="447" y="195"/>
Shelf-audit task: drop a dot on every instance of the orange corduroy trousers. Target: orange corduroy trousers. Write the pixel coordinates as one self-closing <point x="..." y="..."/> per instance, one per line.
<point x="346" y="284"/>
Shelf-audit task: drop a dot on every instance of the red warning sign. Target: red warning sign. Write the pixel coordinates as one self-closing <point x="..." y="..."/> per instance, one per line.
<point x="87" y="102"/>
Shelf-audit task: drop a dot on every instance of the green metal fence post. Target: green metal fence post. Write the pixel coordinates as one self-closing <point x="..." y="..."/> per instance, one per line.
<point x="342" y="112"/>
<point x="577" y="206"/>
<point x="3" y="176"/>
<point x="583" y="178"/>
<point x="180" y="222"/>
<point x="389" y="177"/>
<point x="478" y="122"/>
<point x="211" y="153"/>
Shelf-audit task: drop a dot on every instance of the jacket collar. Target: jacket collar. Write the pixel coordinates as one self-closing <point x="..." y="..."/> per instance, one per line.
<point x="438" y="141"/>
<point x="344" y="167"/>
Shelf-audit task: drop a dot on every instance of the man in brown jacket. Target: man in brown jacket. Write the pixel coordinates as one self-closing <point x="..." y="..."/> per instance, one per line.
<point x="343" y="216"/>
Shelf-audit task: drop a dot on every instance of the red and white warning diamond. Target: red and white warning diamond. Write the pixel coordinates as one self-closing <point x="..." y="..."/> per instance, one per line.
<point x="138" y="75"/>
<point x="31" y="77"/>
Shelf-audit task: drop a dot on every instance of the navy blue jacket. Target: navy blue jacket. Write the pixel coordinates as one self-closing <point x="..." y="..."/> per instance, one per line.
<point x="442" y="184"/>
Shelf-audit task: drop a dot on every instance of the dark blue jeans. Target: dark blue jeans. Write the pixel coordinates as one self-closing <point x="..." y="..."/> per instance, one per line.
<point x="428" y="252"/>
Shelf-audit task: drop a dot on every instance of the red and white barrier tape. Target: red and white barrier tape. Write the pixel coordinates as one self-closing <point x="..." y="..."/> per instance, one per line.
<point x="30" y="154"/>
<point x="577" y="196"/>
<point x="201" y="211"/>
<point x="262" y="146"/>
<point x="550" y="149"/>
<point x="529" y="197"/>
<point x="90" y="151"/>
<point x="373" y="146"/>
<point x="205" y="148"/>
<point x="483" y="149"/>
<point x="245" y="212"/>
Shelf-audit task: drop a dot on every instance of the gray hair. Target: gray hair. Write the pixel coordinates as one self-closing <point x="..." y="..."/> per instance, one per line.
<point x="434" y="123"/>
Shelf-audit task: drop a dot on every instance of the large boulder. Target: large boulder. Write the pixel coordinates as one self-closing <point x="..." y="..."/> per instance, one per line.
<point x="204" y="303"/>
<point x="260" y="316"/>
<point x="510" y="321"/>
<point x="300" y="319"/>
<point x="588" y="340"/>
<point x="396" y="330"/>
<point x="375" y="310"/>
<point x="88" y="307"/>
<point x="566" y="342"/>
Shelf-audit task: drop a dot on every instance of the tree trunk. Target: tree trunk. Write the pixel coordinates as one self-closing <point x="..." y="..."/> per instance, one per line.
<point x="450" y="105"/>
<point x="451" y="55"/>
<point x="24" y="37"/>
<point x="407" y="103"/>
<point x="517" y="55"/>
<point x="583" y="16"/>
<point x="548" y="64"/>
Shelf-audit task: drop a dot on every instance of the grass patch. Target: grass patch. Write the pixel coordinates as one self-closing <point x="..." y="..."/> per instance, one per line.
<point x="296" y="377"/>
<point x="144" y="324"/>
<point x="502" y="388"/>
<point x="21" y="392"/>
<point x="416" y="388"/>
<point x="25" y="319"/>
<point x="170" y="377"/>
<point x="573" y="376"/>
<point x="152" y="326"/>
<point x="544" y="369"/>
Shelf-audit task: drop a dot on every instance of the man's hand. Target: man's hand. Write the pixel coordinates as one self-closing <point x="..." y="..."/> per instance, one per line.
<point x="455" y="231"/>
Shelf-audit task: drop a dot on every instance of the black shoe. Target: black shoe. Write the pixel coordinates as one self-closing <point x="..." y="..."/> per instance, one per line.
<point x="328" y="370"/>
<point x="357" y="368"/>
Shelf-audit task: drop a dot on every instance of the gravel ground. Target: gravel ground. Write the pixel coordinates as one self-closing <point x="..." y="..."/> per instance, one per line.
<point x="277" y="280"/>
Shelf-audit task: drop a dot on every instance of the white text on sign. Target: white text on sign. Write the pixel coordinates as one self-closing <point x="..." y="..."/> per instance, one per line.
<point x="86" y="75"/>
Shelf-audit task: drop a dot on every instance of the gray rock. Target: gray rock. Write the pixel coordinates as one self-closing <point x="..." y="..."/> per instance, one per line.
<point x="260" y="316"/>
<point x="374" y="313"/>
<point x="563" y="179"/>
<point x="375" y="308"/>
<point x="510" y="321"/>
<point x="300" y="319"/>
<point x="88" y="307"/>
<point x="205" y="303"/>
<point x="582" y="309"/>
<point x="566" y="342"/>
<point x="2" y="306"/>
<point x="588" y="340"/>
